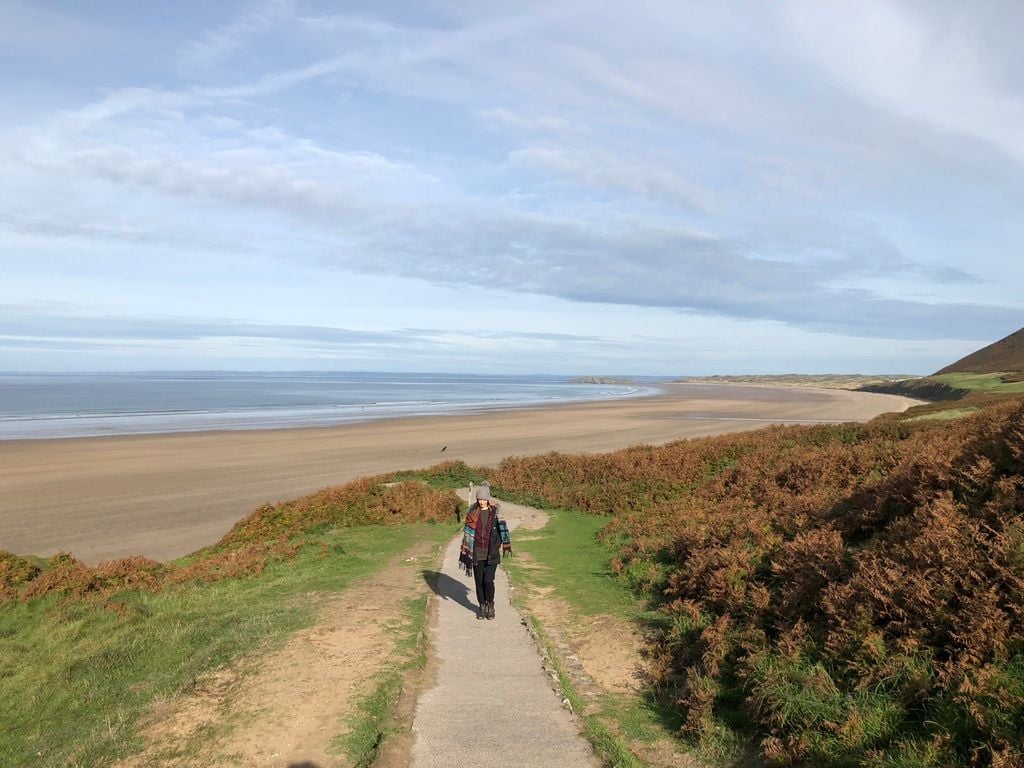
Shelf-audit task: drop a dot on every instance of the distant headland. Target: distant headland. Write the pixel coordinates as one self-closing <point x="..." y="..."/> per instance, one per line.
<point x="602" y="380"/>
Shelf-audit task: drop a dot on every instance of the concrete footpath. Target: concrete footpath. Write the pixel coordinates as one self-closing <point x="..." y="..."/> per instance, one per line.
<point x="492" y="703"/>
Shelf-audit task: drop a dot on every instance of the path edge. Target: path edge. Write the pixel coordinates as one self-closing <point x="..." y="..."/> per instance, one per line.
<point x="609" y="748"/>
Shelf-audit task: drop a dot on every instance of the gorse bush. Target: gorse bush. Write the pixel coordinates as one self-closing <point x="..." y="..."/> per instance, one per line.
<point x="366" y="501"/>
<point x="15" y="572"/>
<point x="853" y="593"/>
<point x="272" y="532"/>
<point x="67" y="576"/>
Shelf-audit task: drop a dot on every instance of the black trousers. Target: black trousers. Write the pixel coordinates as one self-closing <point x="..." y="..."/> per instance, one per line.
<point x="483" y="575"/>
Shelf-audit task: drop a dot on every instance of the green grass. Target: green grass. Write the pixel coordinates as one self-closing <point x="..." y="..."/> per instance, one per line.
<point x="977" y="387"/>
<point x="374" y="720"/>
<point x="641" y="719"/>
<point x="75" y="677"/>
<point x="577" y="566"/>
<point x="453" y="475"/>
<point x="945" y="415"/>
<point x="987" y="382"/>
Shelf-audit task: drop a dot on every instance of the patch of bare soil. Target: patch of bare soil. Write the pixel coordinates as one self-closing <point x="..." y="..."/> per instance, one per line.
<point x="602" y="655"/>
<point x="607" y="648"/>
<point x="396" y="750"/>
<point x="284" y="709"/>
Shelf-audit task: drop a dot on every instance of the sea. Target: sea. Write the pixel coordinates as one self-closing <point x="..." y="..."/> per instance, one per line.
<point x="58" y="405"/>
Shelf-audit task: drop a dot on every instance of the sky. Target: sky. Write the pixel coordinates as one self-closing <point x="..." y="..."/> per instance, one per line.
<point x="660" y="188"/>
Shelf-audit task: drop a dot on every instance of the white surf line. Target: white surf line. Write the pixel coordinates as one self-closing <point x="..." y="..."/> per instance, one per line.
<point x="491" y="703"/>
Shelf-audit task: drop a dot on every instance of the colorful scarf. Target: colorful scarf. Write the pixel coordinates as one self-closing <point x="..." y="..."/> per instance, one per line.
<point x="469" y="533"/>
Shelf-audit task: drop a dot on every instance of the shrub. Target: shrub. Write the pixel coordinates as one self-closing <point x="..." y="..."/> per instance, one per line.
<point x="271" y="532"/>
<point x="15" y="572"/>
<point x="858" y="590"/>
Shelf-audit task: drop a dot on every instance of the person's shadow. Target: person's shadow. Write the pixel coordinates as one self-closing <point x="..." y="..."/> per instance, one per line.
<point x="447" y="588"/>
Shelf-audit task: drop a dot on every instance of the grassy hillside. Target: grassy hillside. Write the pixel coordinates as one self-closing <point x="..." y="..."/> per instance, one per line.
<point x="816" y="380"/>
<point x="836" y="595"/>
<point x="1005" y="355"/>
<point x="845" y="595"/>
<point x="85" y="650"/>
<point x="954" y="386"/>
<point x="1001" y="383"/>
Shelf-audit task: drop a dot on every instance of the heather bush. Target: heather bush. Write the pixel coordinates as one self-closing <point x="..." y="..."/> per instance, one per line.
<point x="446" y="474"/>
<point x="15" y="572"/>
<point x="850" y="594"/>
<point x="366" y="501"/>
<point x="272" y="532"/>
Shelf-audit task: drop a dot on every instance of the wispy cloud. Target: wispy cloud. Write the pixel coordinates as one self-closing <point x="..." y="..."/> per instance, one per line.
<point x="932" y="70"/>
<point x="600" y="169"/>
<point x="511" y="119"/>
<point x="31" y="325"/>
<point x="38" y="30"/>
<point x="217" y="45"/>
<point x="837" y="171"/>
<point x="635" y="263"/>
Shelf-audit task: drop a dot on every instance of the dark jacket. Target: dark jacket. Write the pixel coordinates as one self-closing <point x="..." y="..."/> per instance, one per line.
<point x="494" y="547"/>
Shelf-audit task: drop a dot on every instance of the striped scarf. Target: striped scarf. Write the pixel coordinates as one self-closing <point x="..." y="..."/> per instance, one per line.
<point x="467" y="550"/>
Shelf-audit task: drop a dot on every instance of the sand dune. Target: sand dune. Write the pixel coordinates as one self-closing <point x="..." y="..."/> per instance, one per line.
<point x="166" y="495"/>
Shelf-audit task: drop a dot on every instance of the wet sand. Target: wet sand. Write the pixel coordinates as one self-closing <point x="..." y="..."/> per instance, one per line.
<point x="164" y="496"/>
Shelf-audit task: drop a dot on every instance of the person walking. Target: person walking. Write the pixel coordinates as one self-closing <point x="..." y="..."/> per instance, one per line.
<point x="485" y="539"/>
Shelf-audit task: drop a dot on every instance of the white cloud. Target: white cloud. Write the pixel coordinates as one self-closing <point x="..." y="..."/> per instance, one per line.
<point x="600" y="169"/>
<point x="804" y="166"/>
<point x="217" y="45"/>
<point x="221" y="123"/>
<point x="46" y="31"/>
<point x="929" y="70"/>
<point x="523" y="122"/>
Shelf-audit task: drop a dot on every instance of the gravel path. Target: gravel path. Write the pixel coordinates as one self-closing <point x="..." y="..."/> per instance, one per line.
<point x="492" y="703"/>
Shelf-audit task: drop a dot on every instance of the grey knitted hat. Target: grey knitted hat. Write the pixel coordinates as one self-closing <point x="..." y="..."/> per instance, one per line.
<point x="483" y="491"/>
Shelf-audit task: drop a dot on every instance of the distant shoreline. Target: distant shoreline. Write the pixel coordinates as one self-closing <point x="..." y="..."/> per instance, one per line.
<point x="166" y="495"/>
<point x="53" y="407"/>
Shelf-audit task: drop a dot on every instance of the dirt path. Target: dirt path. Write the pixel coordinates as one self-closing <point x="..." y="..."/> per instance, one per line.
<point x="285" y="708"/>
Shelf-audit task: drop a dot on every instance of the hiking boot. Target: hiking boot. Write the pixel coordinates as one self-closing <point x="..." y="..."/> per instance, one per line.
<point x="490" y="610"/>
<point x="481" y="612"/>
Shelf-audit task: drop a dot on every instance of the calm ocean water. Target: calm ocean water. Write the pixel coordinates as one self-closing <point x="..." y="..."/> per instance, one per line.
<point x="77" y="405"/>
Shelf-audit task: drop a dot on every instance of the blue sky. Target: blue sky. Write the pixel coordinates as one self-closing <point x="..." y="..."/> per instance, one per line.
<point x="555" y="187"/>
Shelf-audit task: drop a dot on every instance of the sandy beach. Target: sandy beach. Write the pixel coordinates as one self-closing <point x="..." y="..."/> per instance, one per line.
<point x="164" y="496"/>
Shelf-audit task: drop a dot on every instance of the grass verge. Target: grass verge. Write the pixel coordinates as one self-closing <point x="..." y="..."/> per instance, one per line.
<point x="76" y="676"/>
<point x="566" y="557"/>
<point x="375" y="719"/>
<point x="612" y="750"/>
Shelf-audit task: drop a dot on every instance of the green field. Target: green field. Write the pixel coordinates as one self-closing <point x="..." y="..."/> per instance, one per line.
<point x="76" y="675"/>
<point x="985" y="382"/>
<point x="979" y="387"/>
<point x="944" y="415"/>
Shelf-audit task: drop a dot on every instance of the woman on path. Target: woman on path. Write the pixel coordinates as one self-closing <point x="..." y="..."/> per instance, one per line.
<point x="485" y="539"/>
